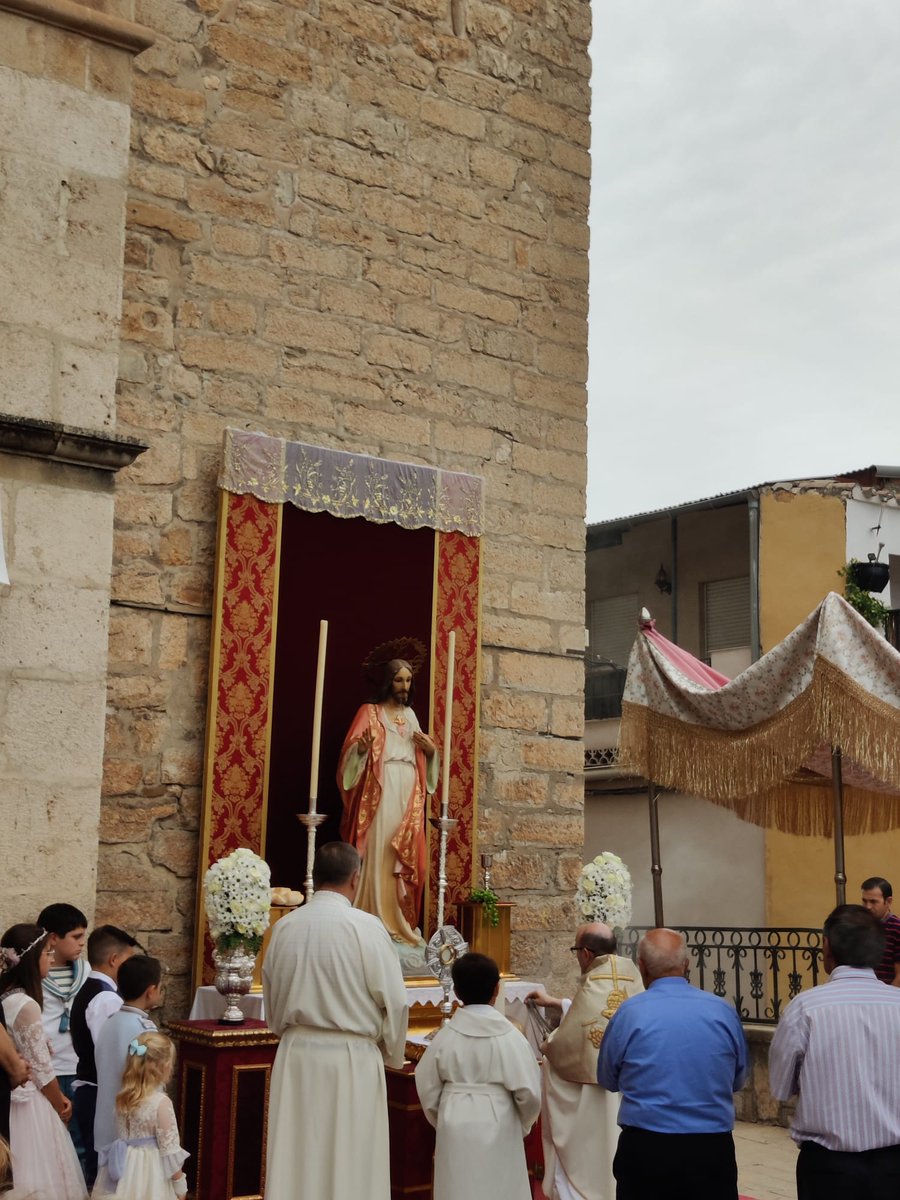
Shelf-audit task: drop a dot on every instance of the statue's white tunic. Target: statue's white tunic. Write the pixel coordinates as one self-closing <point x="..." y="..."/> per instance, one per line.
<point x="335" y="994"/>
<point x="480" y="1086"/>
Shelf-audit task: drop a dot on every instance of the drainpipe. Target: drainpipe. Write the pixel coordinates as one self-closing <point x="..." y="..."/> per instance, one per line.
<point x="753" y="516"/>
<point x="675" y="580"/>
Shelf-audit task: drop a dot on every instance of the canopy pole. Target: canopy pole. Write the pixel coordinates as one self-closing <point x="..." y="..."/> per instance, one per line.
<point x="837" y="785"/>
<point x="655" y="864"/>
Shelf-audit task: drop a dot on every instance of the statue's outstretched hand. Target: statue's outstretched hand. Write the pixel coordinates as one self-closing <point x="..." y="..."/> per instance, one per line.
<point x="365" y="742"/>
<point x="424" y="743"/>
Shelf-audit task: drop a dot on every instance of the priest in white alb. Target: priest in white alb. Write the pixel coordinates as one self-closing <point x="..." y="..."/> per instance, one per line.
<point x="334" y="994"/>
<point x="579" y="1118"/>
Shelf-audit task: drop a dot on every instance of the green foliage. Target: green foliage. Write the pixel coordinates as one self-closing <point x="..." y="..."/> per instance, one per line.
<point x="867" y="605"/>
<point x="238" y="941"/>
<point x="489" y="899"/>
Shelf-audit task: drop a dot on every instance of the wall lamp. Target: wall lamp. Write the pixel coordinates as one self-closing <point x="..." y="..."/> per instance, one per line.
<point x="662" y="581"/>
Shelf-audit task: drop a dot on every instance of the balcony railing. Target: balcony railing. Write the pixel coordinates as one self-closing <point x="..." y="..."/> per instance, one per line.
<point x="756" y="970"/>
<point x="603" y="688"/>
<point x="604" y="756"/>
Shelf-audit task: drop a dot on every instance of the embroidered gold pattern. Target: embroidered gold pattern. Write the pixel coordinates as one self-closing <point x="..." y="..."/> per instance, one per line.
<point x="319" y="479"/>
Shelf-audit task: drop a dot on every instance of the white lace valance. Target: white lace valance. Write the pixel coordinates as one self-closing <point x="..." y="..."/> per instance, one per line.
<point x="351" y="485"/>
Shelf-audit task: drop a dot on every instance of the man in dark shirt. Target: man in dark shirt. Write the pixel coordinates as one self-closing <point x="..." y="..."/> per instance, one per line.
<point x="877" y="895"/>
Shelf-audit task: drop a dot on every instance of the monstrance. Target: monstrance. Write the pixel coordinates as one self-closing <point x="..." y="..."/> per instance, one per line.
<point x="445" y="947"/>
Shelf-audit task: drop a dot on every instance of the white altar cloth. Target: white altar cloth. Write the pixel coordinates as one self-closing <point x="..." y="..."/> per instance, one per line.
<point x="209" y="1005"/>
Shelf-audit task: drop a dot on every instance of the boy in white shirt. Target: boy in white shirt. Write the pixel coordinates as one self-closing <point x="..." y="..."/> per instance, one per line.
<point x="480" y="1086"/>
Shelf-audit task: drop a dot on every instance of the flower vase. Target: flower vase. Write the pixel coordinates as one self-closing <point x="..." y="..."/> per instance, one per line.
<point x="234" y="978"/>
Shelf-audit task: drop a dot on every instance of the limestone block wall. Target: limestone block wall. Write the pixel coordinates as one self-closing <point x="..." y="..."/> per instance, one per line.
<point x="64" y="127"/>
<point x="57" y="525"/>
<point x="349" y="224"/>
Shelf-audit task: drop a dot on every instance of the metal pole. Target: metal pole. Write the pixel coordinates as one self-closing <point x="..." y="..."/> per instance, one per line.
<point x="753" y="514"/>
<point x="655" y="864"/>
<point x="837" y="785"/>
<point x="674" y="531"/>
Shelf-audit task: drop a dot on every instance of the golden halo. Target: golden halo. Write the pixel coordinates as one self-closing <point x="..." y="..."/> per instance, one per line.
<point x="410" y="649"/>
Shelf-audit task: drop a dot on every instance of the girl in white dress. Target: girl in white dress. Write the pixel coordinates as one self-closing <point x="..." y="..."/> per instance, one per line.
<point x="145" y="1161"/>
<point x="45" y="1165"/>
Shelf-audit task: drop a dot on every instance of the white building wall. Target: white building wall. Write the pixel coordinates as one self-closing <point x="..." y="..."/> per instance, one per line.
<point x="713" y="863"/>
<point x="864" y="536"/>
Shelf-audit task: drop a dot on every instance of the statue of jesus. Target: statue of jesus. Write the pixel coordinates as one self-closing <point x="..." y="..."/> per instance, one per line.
<point x="387" y="768"/>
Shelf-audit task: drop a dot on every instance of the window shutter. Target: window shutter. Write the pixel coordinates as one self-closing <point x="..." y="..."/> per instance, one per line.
<point x="614" y="626"/>
<point x="726" y="611"/>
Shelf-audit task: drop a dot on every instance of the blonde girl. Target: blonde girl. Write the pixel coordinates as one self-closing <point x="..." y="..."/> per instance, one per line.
<point x="145" y="1162"/>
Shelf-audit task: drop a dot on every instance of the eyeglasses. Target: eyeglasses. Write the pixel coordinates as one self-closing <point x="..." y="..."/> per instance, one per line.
<point x="575" y="949"/>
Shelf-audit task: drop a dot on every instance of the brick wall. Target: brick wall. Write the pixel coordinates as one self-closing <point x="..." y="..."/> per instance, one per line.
<point x="349" y="226"/>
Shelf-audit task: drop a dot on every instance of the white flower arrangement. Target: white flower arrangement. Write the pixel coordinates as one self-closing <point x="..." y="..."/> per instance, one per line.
<point x="237" y="895"/>
<point x="604" y="891"/>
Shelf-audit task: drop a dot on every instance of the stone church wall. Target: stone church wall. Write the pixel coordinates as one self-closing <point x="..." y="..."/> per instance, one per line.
<point x="351" y="226"/>
<point x="64" y="126"/>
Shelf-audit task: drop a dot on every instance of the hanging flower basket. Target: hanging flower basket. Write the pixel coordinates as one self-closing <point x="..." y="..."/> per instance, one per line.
<point x="870" y="576"/>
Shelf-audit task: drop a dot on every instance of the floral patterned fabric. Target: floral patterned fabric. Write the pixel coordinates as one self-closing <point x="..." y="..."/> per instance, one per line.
<point x="834" y="681"/>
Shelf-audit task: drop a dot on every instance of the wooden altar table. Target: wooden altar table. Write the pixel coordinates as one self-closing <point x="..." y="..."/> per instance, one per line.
<point x="223" y="1105"/>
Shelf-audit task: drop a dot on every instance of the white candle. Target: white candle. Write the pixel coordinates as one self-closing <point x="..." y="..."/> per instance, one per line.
<point x="448" y="721"/>
<point x="317" y="717"/>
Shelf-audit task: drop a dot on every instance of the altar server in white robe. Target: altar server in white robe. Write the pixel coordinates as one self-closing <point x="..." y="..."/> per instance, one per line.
<point x="335" y="994"/>
<point x="480" y="1087"/>
<point x="579" y="1128"/>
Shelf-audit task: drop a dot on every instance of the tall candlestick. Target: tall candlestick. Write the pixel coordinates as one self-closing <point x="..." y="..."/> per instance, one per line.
<point x="448" y="721"/>
<point x="443" y="822"/>
<point x="317" y="717"/>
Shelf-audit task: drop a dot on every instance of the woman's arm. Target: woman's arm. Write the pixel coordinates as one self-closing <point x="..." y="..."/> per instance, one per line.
<point x="30" y="1035"/>
<point x="61" y="1103"/>
<point x="11" y="1061"/>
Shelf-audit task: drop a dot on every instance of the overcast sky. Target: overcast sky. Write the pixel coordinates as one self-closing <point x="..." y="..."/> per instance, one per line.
<point x="745" y="245"/>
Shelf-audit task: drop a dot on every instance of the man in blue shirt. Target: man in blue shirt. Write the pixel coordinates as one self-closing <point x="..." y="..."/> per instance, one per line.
<point x="677" y="1055"/>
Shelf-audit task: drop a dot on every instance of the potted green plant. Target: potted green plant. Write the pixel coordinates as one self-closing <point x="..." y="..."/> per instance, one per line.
<point x="859" y="596"/>
<point x="871" y="576"/>
<point x="484" y="921"/>
<point x="489" y="899"/>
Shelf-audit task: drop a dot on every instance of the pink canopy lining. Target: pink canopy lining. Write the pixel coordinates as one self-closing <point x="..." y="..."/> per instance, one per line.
<point x="761" y="743"/>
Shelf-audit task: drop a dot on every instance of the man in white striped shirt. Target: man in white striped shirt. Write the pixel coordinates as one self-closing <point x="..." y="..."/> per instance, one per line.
<point x="838" y="1047"/>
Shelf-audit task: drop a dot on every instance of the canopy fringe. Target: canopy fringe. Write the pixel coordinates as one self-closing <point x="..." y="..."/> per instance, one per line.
<point x="748" y="770"/>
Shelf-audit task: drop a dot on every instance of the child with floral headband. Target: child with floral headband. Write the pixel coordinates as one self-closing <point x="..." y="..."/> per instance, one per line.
<point x="45" y="1165"/>
<point x="145" y="1162"/>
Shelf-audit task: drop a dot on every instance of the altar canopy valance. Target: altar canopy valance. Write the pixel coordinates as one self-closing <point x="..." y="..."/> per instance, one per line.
<point x="351" y="485"/>
<point x="761" y="744"/>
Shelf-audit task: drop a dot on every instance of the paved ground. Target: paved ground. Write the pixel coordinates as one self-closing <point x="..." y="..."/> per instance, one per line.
<point x="766" y="1159"/>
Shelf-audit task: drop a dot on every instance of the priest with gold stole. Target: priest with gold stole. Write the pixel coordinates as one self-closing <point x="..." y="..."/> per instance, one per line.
<point x="580" y="1129"/>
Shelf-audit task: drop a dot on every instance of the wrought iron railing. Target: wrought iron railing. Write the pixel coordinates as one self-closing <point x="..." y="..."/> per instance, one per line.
<point x="603" y="688"/>
<point x="757" y="970"/>
<point x="603" y="756"/>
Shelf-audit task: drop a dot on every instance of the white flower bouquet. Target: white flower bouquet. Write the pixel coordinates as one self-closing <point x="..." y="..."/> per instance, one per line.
<point x="604" y="891"/>
<point x="237" y="896"/>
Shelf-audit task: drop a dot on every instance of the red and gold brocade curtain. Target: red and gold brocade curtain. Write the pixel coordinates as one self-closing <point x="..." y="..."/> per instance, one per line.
<point x="379" y="549"/>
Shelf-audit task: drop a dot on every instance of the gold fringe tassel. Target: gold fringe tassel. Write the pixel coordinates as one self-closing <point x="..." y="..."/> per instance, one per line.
<point x="748" y="771"/>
